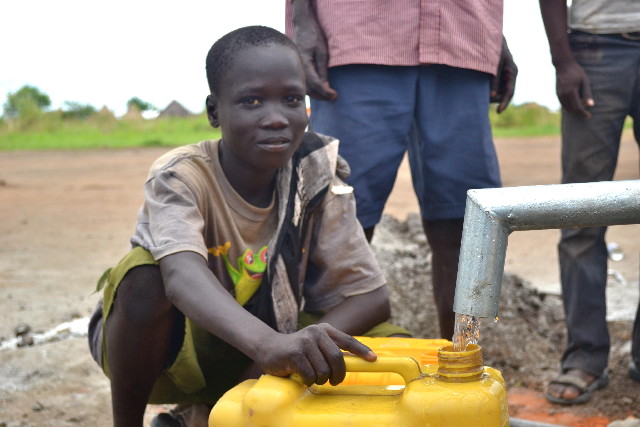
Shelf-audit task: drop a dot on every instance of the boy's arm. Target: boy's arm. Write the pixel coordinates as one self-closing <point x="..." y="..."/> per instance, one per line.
<point x="313" y="353"/>
<point x="359" y="313"/>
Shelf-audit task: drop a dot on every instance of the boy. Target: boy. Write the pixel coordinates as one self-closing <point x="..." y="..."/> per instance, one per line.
<point x="235" y="237"/>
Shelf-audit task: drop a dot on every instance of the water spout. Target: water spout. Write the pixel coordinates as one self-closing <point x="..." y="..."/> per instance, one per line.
<point x="492" y="214"/>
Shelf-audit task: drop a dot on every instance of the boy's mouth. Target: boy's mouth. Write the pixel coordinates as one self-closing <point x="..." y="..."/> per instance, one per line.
<point x="275" y="144"/>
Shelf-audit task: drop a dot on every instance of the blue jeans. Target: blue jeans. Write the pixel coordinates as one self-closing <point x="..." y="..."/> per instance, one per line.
<point x="590" y="153"/>
<point x="438" y="114"/>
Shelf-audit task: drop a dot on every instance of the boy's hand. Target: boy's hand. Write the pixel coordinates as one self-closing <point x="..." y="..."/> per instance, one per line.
<point x="313" y="353"/>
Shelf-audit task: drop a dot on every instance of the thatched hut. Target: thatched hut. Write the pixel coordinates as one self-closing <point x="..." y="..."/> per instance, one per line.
<point x="175" y="109"/>
<point x="133" y="113"/>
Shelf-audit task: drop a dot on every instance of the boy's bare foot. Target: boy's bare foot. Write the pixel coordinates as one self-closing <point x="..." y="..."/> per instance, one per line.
<point x="192" y="415"/>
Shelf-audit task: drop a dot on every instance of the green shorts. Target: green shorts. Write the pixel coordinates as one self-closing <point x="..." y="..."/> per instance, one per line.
<point x="206" y="367"/>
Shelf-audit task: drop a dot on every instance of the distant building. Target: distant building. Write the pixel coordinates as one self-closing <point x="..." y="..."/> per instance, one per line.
<point x="104" y="117"/>
<point x="133" y="113"/>
<point x="175" y="109"/>
<point x="106" y="113"/>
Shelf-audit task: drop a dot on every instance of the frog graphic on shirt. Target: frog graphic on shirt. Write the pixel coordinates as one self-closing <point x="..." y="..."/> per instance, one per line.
<point x="247" y="277"/>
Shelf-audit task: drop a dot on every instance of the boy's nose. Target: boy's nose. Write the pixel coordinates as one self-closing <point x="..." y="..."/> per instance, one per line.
<point x="274" y="117"/>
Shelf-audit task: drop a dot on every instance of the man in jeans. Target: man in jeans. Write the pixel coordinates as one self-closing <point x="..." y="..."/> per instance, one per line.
<point x="595" y="48"/>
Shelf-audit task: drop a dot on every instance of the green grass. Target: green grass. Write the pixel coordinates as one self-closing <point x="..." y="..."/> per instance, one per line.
<point x="104" y="132"/>
<point x="101" y="130"/>
<point x="525" y="120"/>
<point x="525" y="131"/>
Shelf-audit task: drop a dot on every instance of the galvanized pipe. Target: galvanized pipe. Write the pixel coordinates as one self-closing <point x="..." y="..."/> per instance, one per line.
<point x="492" y="214"/>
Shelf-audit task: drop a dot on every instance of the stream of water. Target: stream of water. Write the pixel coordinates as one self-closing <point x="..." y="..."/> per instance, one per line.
<point x="466" y="331"/>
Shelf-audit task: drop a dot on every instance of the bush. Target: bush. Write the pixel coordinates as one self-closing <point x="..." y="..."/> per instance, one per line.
<point x="140" y="104"/>
<point x="526" y="120"/>
<point x="524" y="115"/>
<point x="77" y="111"/>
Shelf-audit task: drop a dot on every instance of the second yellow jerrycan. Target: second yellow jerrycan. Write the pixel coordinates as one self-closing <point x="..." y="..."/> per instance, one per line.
<point x="458" y="391"/>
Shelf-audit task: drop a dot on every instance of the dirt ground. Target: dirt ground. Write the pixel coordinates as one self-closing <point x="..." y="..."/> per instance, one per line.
<point x="66" y="216"/>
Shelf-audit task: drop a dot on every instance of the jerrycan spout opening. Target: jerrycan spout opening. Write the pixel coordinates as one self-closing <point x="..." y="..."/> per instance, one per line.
<point x="460" y="366"/>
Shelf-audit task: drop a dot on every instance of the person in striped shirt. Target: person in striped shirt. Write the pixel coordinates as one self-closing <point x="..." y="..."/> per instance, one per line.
<point x="416" y="77"/>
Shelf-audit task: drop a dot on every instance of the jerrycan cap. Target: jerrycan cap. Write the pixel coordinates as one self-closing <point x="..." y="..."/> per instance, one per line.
<point x="460" y="366"/>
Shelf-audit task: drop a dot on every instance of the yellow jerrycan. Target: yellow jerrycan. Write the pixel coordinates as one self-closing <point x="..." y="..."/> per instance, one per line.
<point x="458" y="391"/>
<point x="424" y="351"/>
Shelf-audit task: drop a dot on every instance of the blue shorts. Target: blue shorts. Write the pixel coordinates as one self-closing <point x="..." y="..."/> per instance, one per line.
<point x="439" y="115"/>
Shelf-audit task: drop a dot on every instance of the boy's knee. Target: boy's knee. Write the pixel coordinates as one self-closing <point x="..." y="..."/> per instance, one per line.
<point x="141" y="297"/>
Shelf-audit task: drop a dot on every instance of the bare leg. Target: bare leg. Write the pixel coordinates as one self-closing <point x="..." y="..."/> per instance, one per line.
<point x="138" y="336"/>
<point x="444" y="237"/>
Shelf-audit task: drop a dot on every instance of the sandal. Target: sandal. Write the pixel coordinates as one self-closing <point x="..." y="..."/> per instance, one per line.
<point x="634" y="371"/>
<point x="585" y="388"/>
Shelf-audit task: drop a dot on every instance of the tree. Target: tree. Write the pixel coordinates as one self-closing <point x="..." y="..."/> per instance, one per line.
<point x="76" y="110"/>
<point x="140" y="104"/>
<point x="27" y="102"/>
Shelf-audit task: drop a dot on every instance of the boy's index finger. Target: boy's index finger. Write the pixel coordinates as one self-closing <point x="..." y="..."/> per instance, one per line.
<point x="352" y="345"/>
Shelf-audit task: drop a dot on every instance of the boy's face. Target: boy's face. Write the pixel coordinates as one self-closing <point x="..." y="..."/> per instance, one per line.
<point x="260" y="109"/>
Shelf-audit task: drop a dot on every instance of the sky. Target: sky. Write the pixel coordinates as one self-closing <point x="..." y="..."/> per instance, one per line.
<point x="104" y="53"/>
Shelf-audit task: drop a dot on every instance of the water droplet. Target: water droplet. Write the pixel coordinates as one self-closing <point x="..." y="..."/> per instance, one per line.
<point x="615" y="252"/>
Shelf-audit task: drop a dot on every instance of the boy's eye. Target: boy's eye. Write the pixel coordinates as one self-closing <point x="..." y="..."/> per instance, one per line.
<point x="250" y="101"/>
<point x="293" y="99"/>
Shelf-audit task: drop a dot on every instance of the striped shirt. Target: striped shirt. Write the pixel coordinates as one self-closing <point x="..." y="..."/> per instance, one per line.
<point x="459" y="33"/>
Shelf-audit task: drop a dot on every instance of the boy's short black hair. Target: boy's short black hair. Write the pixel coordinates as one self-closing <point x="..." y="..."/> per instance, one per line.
<point x="222" y="53"/>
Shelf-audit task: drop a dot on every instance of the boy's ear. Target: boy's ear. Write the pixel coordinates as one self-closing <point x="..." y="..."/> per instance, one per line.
<point x="212" y="110"/>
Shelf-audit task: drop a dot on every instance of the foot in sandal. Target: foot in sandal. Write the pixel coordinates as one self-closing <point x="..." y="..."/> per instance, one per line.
<point x="574" y="386"/>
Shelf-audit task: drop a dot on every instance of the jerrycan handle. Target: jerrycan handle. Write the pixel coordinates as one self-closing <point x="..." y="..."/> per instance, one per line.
<point x="406" y="367"/>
